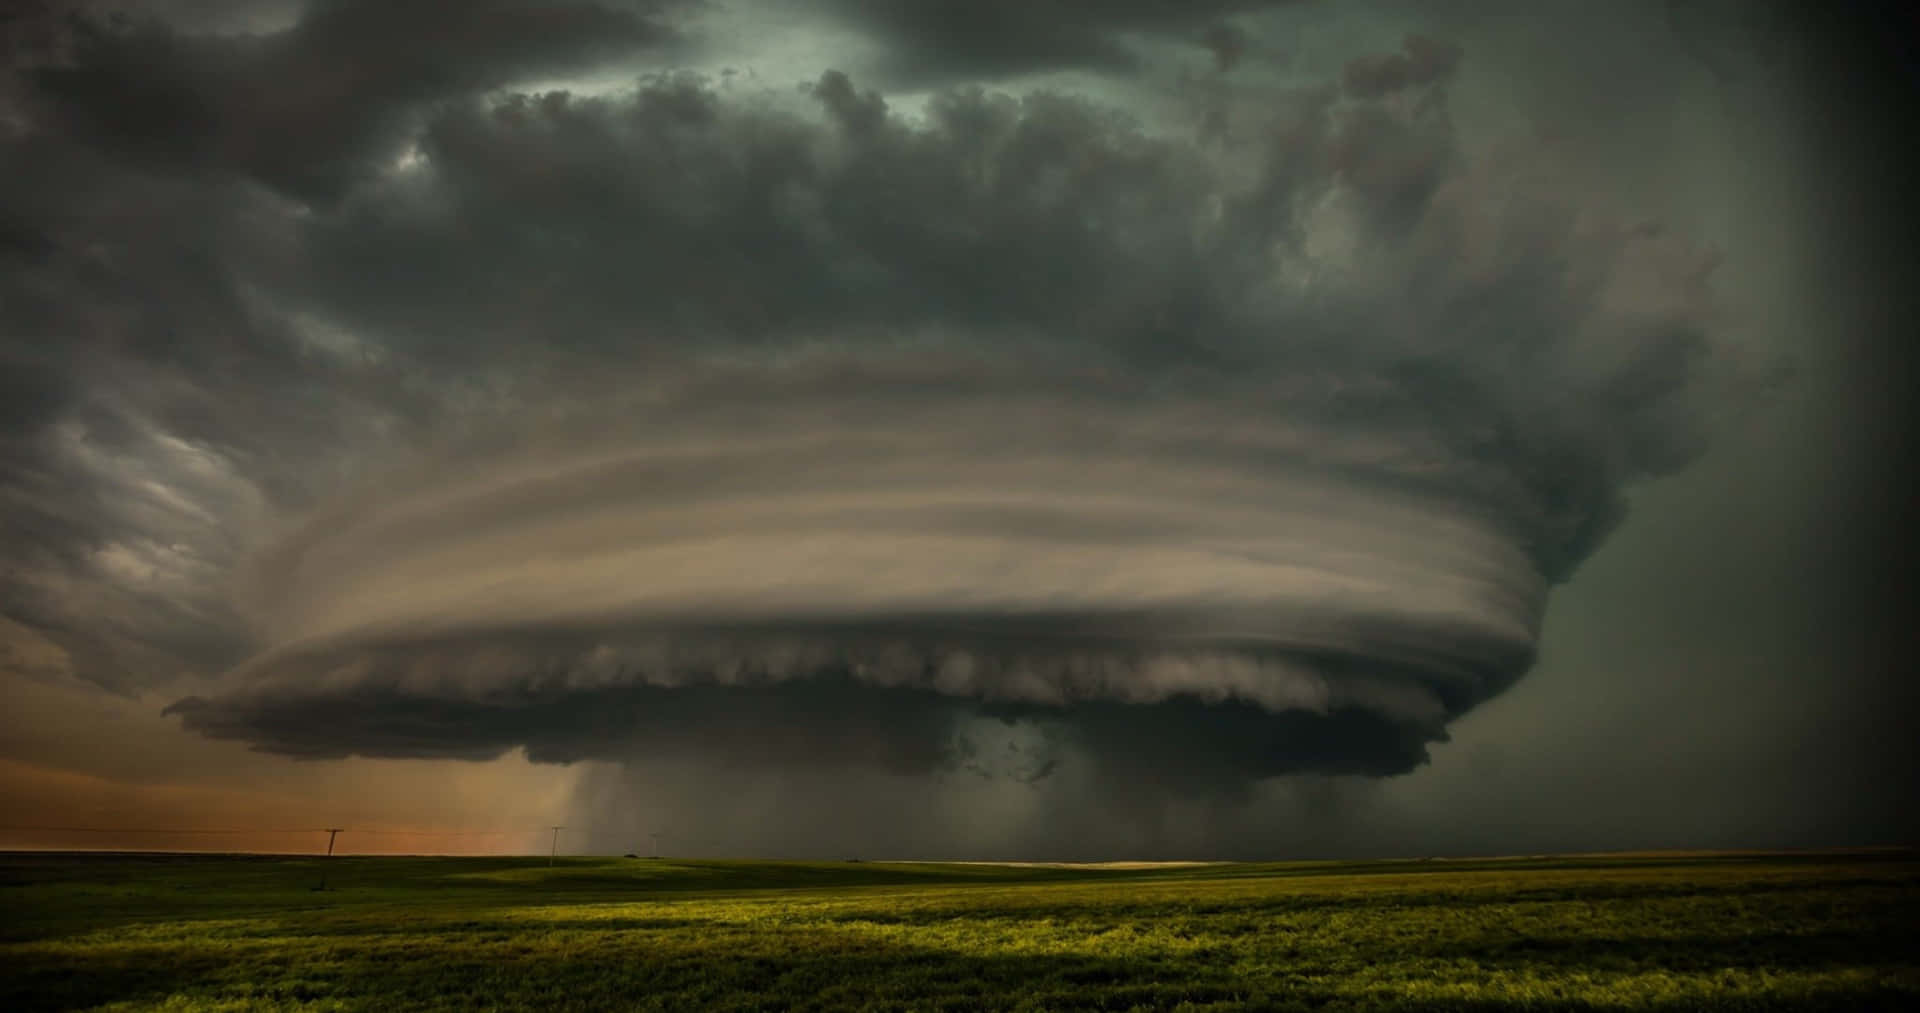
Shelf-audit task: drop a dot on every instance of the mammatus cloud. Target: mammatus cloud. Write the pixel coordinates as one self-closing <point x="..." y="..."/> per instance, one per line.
<point x="770" y="427"/>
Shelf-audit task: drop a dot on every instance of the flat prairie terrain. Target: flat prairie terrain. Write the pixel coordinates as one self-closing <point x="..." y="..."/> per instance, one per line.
<point x="1647" y="931"/>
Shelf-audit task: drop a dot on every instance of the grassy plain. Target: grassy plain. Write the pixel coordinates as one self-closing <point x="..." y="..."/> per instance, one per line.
<point x="1745" y="931"/>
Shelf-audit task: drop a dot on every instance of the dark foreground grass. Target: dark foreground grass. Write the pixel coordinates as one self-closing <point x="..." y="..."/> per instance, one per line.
<point x="1748" y="932"/>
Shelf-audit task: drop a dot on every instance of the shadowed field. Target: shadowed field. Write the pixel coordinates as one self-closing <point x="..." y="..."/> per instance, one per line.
<point x="1746" y="931"/>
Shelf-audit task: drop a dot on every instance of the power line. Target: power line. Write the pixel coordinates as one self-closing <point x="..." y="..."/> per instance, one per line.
<point x="588" y="829"/>
<point x="168" y="830"/>
<point x="276" y="830"/>
<point x="443" y="833"/>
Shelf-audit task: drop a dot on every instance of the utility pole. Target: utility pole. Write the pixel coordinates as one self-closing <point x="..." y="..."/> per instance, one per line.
<point x="553" y="855"/>
<point x="332" y="832"/>
<point x="655" y="835"/>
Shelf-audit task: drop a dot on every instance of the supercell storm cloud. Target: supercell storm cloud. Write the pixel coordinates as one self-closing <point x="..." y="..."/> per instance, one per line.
<point x="775" y="422"/>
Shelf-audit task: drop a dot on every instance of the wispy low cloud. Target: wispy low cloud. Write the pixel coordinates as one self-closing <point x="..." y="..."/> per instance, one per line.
<point x="787" y="428"/>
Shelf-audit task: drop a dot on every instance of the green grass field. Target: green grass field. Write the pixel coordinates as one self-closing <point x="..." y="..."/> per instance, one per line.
<point x="1749" y="932"/>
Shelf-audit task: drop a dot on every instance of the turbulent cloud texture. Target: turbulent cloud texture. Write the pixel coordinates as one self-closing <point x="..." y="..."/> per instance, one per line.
<point x="772" y="425"/>
<point x="941" y="39"/>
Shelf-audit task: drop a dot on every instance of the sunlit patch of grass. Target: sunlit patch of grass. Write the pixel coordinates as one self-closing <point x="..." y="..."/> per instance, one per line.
<point x="1615" y="933"/>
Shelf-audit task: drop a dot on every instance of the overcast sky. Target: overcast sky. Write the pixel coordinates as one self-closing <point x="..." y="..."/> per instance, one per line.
<point x="968" y="429"/>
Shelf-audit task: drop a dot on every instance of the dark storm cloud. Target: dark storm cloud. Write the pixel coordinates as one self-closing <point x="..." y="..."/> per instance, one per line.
<point x="923" y="545"/>
<point x="1421" y="61"/>
<point x="1227" y="43"/>
<point x="792" y="428"/>
<point x="941" y="40"/>
<point x="163" y="410"/>
<point x="315" y="107"/>
<point x="1194" y="746"/>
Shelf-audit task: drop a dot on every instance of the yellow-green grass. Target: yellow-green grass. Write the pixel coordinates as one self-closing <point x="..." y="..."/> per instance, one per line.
<point x="1798" y="931"/>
